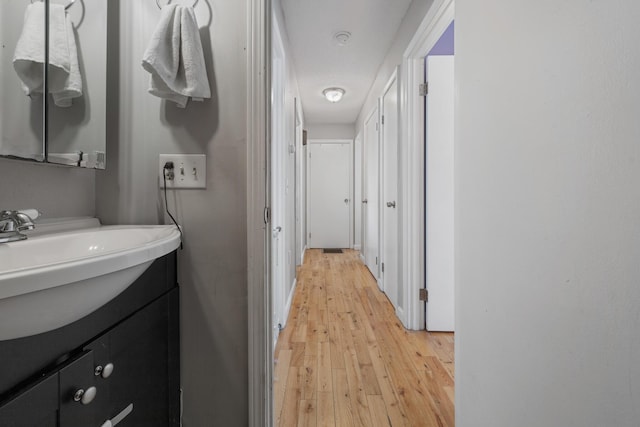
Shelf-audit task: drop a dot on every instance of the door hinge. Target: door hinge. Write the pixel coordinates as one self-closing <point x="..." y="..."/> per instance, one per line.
<point x="266" y="215"/>
<point x="383" y="267"/>
<point x="424" y="295"/>
<point x="309" y="235"/>
<point x="424" y="89"/>
<point x="383" y="120"/>
<point x="376" y="260"/>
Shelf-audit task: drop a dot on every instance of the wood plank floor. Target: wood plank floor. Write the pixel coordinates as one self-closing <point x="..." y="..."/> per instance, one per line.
<point x="344" y="359"/>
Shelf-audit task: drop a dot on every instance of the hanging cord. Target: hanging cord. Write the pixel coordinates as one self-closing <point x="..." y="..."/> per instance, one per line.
<point x="168" y="168"/>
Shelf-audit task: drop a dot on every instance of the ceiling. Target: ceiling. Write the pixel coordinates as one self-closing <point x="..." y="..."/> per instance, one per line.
<point x="320" y="62"/>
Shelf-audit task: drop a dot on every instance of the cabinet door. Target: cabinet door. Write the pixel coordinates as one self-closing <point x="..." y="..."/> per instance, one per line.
<point x="142" y="352"/>
<point x="37" y="406"/>
<point x="77" y="392"/>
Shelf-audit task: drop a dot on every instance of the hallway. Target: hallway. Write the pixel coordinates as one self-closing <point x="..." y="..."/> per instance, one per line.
<point x="344" y="358"/>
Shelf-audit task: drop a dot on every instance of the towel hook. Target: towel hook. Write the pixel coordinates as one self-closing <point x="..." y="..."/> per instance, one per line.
<point x="160" y="7"/>
<point x="66" y="7"/>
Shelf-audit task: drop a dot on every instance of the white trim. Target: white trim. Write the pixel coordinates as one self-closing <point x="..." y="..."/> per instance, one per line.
<point x="362" y="259"/>
<point x="334" y="141"/>
<point x="440" y="15"/>
<point x="357" y="201"/>
<point x="304" y="253"/>
<point x="258" y="255"/>
<point x="287" y="306"/>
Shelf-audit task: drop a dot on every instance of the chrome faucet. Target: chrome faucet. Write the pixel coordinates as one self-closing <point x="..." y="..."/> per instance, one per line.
<point x="13" y="222"/>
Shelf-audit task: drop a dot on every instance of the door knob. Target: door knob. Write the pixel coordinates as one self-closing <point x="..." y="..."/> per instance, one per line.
<point x="346" y="200"/>
<point x="277" y="229"/>
<point x="365" y="201"/>
<point x="391" y="204"/>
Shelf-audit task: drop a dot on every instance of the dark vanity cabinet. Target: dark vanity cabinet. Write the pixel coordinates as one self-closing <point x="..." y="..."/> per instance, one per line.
<point x="119" y="366"/>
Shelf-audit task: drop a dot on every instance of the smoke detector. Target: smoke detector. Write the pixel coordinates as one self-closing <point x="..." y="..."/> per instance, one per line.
<point x="342" y="37"/>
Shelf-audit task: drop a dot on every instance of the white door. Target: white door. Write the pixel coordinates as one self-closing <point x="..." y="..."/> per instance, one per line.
<point x="370" y="202"/>
<point x="278" y="186"/>
<point x="439" y="194"/>
<point x="389" y="267"/>
<point x="329" y="172"/>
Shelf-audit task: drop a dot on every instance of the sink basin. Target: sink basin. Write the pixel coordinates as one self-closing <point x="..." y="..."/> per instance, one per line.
<point x="51" y="280"/>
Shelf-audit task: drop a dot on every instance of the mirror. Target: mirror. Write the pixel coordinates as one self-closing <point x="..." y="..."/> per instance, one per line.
<point x="21" y="116"/>
<point x="75" y="108"/>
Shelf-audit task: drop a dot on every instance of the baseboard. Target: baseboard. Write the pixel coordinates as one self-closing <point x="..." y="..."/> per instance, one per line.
<point x="400" y="314"/>
<point x="287" y="306"/>
<point x="304" y="252"/>
<point x="362" y="258"/>
<point x="357" y="247"/>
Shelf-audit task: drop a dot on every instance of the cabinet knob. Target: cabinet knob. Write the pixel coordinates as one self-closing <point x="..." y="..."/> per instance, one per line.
<point x="104" y="372"/>
<point x="85" y="396"/>
<point x="107" y="371"/>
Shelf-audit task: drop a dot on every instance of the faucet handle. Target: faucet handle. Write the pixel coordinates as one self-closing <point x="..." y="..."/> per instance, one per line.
<point x="31" y="213"/>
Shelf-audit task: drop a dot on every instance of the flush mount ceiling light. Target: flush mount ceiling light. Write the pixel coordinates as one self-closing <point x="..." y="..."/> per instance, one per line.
<point x="333" y="94"/>
<point x="342" y="37"/>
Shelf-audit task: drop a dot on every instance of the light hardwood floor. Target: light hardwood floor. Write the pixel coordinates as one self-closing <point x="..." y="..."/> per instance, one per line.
<point x="344" y="358"/>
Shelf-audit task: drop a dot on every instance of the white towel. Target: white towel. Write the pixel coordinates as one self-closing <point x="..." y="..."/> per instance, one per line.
<point x="65" y="81"/>
<point x="175" y="58"/>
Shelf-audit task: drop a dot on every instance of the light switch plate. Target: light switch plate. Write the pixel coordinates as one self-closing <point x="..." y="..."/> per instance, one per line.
<point x="189" y="171"/>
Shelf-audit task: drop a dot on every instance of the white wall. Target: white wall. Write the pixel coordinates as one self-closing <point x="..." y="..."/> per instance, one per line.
<point x="212" y="267"/>
<point x="412" y="19"/>
<point x="330" y="131"/>
<point x="547" y="213"/>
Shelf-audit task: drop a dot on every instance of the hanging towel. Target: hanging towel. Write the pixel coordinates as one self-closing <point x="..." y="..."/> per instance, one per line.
<point x="65" y="90"/>
<point x="175" y="58"/>
<point x="65" y="81"/>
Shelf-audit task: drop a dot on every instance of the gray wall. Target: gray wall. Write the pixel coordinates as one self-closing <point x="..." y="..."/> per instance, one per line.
<point x="547" y="213"/>
<point x="55" y="191"/>
<point x="213" y="264"/>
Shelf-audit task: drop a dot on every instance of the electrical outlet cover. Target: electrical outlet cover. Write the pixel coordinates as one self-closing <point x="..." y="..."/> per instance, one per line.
<point x="189" y="171"/>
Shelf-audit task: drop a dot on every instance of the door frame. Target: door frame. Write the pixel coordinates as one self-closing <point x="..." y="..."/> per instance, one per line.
<point x="258" y="127"/>
<point x="357" y="192"/>
<point x="299" y="183"/>
<point x="312" y="142"/>
<point x="434" y="24"/>
<point x="440" y="14"/>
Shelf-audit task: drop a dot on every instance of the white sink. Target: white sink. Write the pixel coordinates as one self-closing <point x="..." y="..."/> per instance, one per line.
<point x="51" y="280"/>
